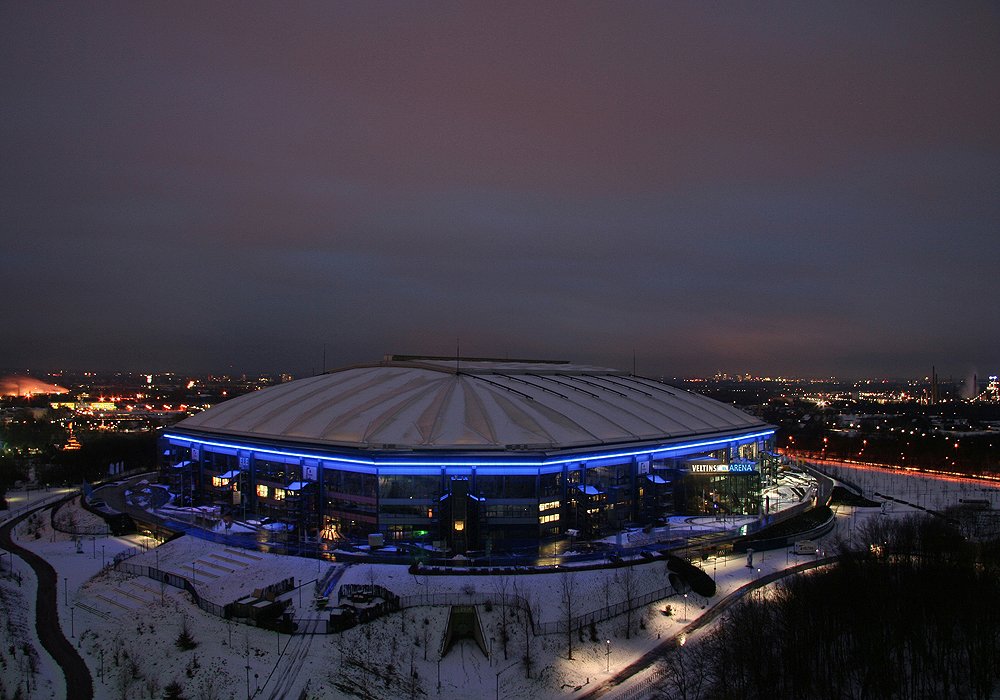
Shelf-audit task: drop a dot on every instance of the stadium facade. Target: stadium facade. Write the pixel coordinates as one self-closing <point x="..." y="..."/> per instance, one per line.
<point x="473" y="453"/>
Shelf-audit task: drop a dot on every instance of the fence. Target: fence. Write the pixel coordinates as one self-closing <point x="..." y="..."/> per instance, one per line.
<point x="172" y="579"/>
<point x="11" y="513"/>
<point x="642" y="688"/>
<point x="539" y="628"/>
<point x="606" y="613"/>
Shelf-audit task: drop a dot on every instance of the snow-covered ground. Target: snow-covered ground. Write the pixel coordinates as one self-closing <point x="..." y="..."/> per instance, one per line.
<point x="23" y="662"/>
<point x="927" y="490"/>
<point x="21" y="500"/>
<point x="126" y="626"/>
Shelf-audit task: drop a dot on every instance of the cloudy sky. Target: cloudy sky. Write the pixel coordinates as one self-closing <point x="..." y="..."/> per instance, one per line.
<point x="801" y="188"/>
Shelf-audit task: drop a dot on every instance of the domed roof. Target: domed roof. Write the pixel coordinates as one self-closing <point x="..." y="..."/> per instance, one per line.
<point x="435" y="404"/>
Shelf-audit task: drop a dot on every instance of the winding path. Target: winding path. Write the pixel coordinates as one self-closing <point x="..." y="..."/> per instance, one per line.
<point x="79" y="683"/>
<point x="666" y="647"/>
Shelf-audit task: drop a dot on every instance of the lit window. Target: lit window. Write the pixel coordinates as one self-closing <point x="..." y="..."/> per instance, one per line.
<point x="262" y="490"/>
<point x="279" y="494"/>
<point x="550" y="505"/>
<point x="459" y="525"/>
<point x="548" y="518"/>
<point x="218" y="481"/>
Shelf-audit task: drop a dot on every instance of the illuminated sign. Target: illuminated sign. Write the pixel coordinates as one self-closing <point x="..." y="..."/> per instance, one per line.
<point x="736" y="468"/>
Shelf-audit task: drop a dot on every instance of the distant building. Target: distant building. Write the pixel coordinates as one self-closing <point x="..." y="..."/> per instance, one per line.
<point x="473" y="453"/>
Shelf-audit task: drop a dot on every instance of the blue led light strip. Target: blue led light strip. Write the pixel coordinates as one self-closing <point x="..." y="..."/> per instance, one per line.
<point x="444" y="462"/>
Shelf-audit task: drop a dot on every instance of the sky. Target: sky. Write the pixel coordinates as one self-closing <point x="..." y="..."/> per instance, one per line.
<point x="800" y="188"/>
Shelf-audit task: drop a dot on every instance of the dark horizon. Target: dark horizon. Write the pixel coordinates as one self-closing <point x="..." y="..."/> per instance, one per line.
<point x="235" y="372"/>
<point x="784" y="188"/>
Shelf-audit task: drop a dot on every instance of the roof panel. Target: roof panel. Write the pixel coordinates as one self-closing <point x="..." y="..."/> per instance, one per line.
<point x="436" y="405"/>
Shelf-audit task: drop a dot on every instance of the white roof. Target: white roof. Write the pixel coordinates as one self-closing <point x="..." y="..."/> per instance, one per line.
<point x="437" y="404"/>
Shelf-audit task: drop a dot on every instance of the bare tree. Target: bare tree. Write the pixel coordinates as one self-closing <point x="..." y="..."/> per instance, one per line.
<point x="500" y="586"/>
<point x="687" y="671"/>
<point x="607" y="583"/>
<point x="628" y="582"/>
<point x="529" y="611"/>
<point x="152" y="685"/>
<point x="567" y="584"/>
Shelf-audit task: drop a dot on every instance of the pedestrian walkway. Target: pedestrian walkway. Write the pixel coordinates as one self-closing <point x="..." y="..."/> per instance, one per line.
<point x="666" y="647"/>
<point x="79" y="683"/>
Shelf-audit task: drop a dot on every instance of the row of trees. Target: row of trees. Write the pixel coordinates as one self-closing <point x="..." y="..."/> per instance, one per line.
<point x="913" y="615"/>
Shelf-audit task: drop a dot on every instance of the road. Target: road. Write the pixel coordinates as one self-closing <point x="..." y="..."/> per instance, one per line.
<point x="663" y="649"/>
<point x="79" y="683"/>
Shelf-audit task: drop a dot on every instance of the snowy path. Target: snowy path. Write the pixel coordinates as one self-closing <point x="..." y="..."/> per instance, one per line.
<point x="706" y="618"/>
<point x="79" y="683"/>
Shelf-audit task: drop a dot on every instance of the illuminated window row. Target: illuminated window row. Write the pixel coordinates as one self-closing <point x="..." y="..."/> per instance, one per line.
<point x="548" y="518"/>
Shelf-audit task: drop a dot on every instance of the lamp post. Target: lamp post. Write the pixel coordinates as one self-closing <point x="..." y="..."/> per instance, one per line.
<point x="72" y="621"/>
<point x="607" y="655"/>
<point x="685" y="609"/>
<point x="66" y="590"/>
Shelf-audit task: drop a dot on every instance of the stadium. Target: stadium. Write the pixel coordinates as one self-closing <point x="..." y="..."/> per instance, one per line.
<point x="469" y="454"/>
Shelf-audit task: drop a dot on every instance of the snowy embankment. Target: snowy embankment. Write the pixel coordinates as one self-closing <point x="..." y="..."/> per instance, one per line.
<point x="126" y="626"/>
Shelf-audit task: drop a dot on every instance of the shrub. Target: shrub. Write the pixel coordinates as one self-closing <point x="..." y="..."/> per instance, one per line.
<point x="184" y="641"/>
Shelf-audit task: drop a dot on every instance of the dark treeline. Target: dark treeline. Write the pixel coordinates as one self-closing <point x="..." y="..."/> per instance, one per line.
<point x="913" y="615"/>
<point x="90" y="462"/>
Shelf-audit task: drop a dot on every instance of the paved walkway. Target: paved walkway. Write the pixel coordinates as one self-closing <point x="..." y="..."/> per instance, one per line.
<point x="663" y="649"/>
<point x="79" y="683"/>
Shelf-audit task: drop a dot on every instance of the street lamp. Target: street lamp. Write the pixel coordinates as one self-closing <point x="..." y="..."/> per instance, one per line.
<point x="686" y="607"/>
<point x="608" y="655"/>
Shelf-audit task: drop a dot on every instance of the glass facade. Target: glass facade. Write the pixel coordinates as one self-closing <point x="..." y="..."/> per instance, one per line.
<point x="336" y="500"/>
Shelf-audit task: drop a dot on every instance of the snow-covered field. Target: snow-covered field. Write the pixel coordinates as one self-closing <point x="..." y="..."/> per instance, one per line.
<point x="126" y="626"/>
